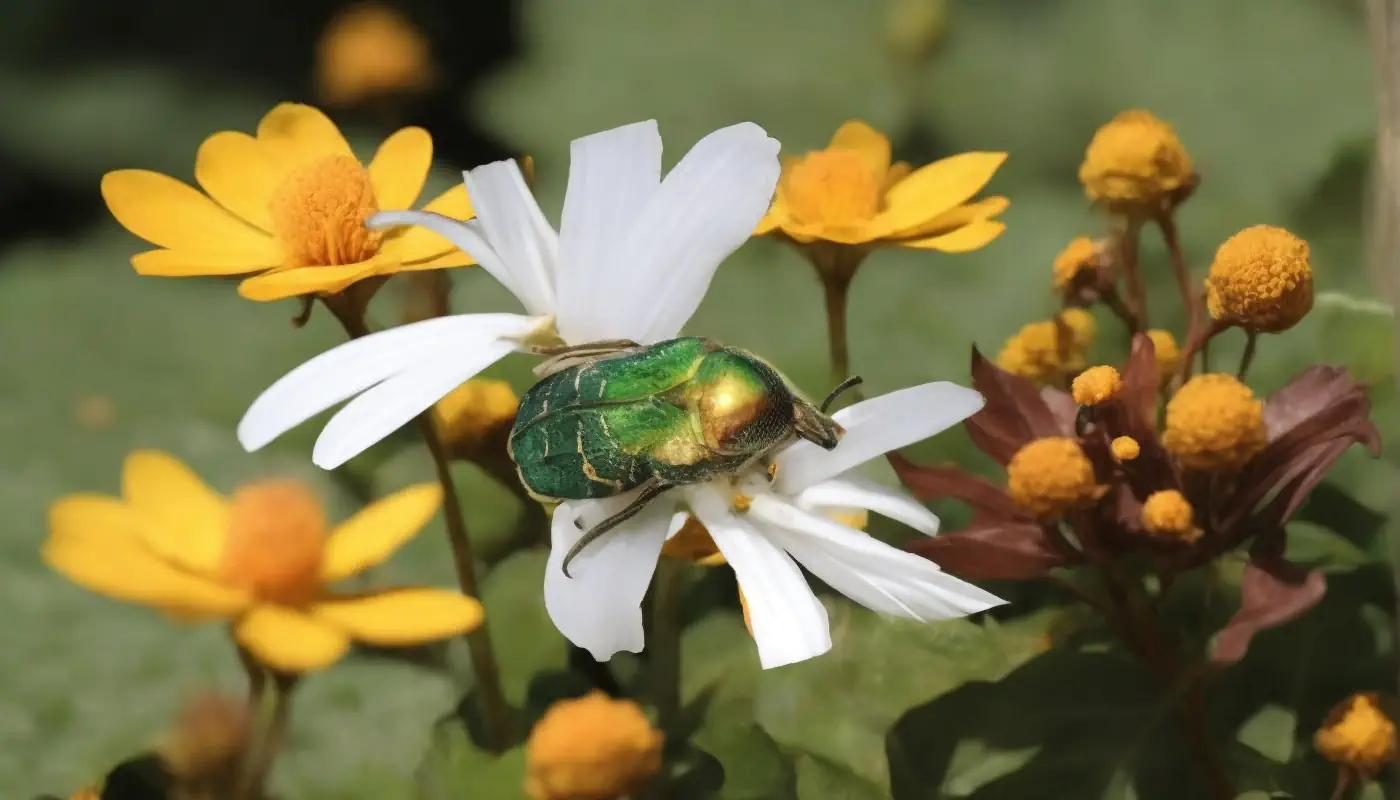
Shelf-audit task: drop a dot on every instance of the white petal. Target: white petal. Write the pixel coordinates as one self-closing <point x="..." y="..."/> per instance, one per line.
<point x="875" y="427"/>
<point x="704" y="210"/>
<point x="678" y="521"/>
<point x="789" y="623"/>
<point x="599" y="608"/>
<point x="348" y="369"/>
<point x="612" y="177"/>
<point x="860" y="553"/>
<point x="516" y="230"/>
<point x="390" y="405"/>
<point x="470" y="238"/>
<point x="851" y="491"/>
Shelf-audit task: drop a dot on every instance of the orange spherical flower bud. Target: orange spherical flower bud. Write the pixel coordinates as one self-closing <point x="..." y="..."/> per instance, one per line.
<point x="1045" y="352"/>
<point x="1051" y="476"/>
<point x="1125" y="448"/>
<point x="1096" y="385"/>
<point x="591" y="748"/>
<point x="370" y="51"/>
<point x="1261" y="279"/>
<point x="468" y="415"/>
<point x="1168" y="515"/>
<point x="1358" y="735"/>
<point x="1214" y="422"/>
<point x="1166" y="352"/>
<point x="276" y="542"/>
<point x="1136" y="162"/>
<point x="1082" y="255"/>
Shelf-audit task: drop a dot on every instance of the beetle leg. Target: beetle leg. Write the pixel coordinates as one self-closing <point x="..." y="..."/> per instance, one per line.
<point x="648" y="494"/>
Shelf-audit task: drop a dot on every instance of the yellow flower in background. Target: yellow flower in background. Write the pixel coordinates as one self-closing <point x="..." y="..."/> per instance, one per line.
<point x="1261" y="279"/>
<point x="1136" y="162"/>
<point x="369" y="51"/>
<point x="851" y="194"/>
<point x="263" y="560"/>
<point x="1166" y="353"/>
<point x="1214" y="421"/>
<point x="288" y="203"/>
<point x="1047" y="352"/>
<point x="472" y="413"/>
<point x="209" y="742"/>
<point x="1168" y="515"/>
<point x="591" y="748"/>
<point x="1358" y="735"/>
<point x="1052" y="476"/>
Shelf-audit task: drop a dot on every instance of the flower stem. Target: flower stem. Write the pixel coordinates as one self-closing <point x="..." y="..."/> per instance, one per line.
<point x="836" y="266"/>
<point x="495" y="710"/>
<point x="1132" y="275"/>
<point x="1167" y="224"/>
<point x="665" y="645"/>
<point x="255" y="778"/>
<point x="257" y="680"/>
<point x="1251" y="339"/>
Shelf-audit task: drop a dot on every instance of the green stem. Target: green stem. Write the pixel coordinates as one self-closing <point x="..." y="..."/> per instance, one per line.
<point x="1167" y="224"/>
<point x="1251" y="340"/>
<point x="836" y="266"/>
<point x="255" y="778"/>
<point x="1132" y="274"/>
<point x="257" y="680"/>
<point x="665" y="644"/>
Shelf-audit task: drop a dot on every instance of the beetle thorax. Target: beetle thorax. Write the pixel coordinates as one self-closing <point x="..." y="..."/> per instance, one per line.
<point x="741" y="412"/>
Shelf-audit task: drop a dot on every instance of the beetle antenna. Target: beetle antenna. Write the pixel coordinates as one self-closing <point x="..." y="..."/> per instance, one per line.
<point x="849" y="383"/>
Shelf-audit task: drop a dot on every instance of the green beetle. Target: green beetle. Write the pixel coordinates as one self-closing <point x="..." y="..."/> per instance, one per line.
<point x="610" y="417"/>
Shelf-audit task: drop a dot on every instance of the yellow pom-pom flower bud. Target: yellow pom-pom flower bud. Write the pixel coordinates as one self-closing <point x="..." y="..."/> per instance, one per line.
<point x="591" y="748"/>
<point x="1168" y="515"/>
<point x="1080" y="256"/>
<point x="1096" y="385"/>
<point x="1261" y="279"/>
<point x="1358" y="735"/>
<point x="1051" y="476"/>
<point x="1166" y="352"/>
<point x="1214" y="422"/>
<point x="1125" y="448"/>
<point x="1136" y="162"/>
<point x="471" y="413"/>
<point x="1082" y="327"/>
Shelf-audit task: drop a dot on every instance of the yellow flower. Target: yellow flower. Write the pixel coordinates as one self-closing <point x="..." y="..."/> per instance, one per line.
<point x="851" y="194"/>
<point x="1125" y="448"/>
<point x="1082" y="327"/>
<point x="289" y="203"/>
<point x="1096" y="385"/>
<point x="1082" y="255"/>
<point x="1358" y="735"/>
<point x="1136" y="162"/>
<point x="1045" y="352"/>
<point x="473" y="412"/>
<point x="1214" y="422"/>
<point x="1261" y="279"/>
<point x="1167" y="514"/>
<point x="370" y="51"/>
<point x="591" y="748"/>
<point x="262" y="559"/>
<point x="1166" y="353"/>
<point x="1051" y="476"/>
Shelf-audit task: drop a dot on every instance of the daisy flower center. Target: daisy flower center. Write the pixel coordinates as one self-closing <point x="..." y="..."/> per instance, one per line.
<point x="276" y="542"/>
<point x="831" y="186"/>
<point x="319" y="213"/>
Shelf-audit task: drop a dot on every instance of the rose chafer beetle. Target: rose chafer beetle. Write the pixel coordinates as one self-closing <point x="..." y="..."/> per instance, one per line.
<point x="610" y="417"/>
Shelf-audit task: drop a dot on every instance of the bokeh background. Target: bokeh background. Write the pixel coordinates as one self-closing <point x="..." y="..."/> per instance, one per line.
<point x="1273" y="100"/>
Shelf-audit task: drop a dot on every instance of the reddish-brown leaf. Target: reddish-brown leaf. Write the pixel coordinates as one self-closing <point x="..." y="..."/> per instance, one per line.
<point x="1002" y="550"/>
<point x="934" y="483"/>
<point x="1140" y="382"/>
<point x="1273" y="592"/>
<point x="1014" y="414"/>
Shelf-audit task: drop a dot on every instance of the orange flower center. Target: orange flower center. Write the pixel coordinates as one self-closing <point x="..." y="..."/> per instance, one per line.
<point x="832" y="186"/>
<point x="276" y="541"/>
<point x="319" y="213"/>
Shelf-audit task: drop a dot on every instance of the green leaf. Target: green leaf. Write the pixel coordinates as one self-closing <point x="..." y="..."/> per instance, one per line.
<point x="1316" y="547"/>
<point x="532" y="655"/>
<point x="818" y="779"/>
<point x="1271" y="732"/>
<point x="455" y="768"/>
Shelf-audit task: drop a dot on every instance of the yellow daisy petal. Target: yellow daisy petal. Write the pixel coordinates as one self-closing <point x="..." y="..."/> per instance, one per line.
<point x="963" y="240"/>
<point x="240" y="174"/>
<point x="413" y="243"/>
<point x="289" y="641"/>
<point x="166" y="212"/>
<point x="400" y="167"/>
<point x="455" y="258"/>
<point x="934" y="189"/>
<point x="182" y="264"/>
<point x="297" y="281"/>
<point x="399" y="617"/>
<point x="872" y="145"/>
<point x="898" y="172"/>
<point x="96" y="542"/>
<point x="382" y="527"/>
<point x="189" y="521"/>
<point x="296" y="133"/>
<point x="955" y="218"/>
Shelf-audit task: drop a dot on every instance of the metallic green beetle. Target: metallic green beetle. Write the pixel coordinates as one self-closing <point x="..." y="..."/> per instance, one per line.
<point x="615" y="416"/>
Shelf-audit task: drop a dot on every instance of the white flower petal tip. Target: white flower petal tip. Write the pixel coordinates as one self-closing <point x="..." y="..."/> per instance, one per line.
<point x="851" y="491"/>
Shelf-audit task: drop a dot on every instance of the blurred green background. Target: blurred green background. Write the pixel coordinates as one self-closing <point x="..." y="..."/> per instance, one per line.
<point x="1273" y="100"/>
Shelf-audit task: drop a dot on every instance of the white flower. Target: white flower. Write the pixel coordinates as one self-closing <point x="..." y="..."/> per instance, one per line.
<point x="633" y="259"/>
<point x="599" y="609"/>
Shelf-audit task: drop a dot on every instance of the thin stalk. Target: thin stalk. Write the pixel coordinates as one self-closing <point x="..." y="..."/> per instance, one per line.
<point x="495" y="710"/>
<point x="1167" y="224"/>
<point x="255" y="778"/>
<point x="1132" y="274"/>
<point x="837" y="290"/>
<point x="257" y="681"/>
<point x="665" y="644"/>
<point x="1251" y="340"/>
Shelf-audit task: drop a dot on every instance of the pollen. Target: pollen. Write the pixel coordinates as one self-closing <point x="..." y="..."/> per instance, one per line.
<point x="276" y="541"/>
<point x="1051" y="476"/>
<point x="1214" y="422"/>
<point x="1167" y="354"/>
<point x="741" y="502"/>
<point x="1096" y="385"/>
<point x="1080" y="257"/>
<point x="1168" y="515"/>
<point x="469" y="415"/>
<point x="1358" y="734"/>
<point x="1136" y="160"/>
<point x="1261" y="279"/>
<point x="831" y="186"/>
<point x="591" y="748"/>
<point x="319" y="213"/>
<point x="1125" y="448"/>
